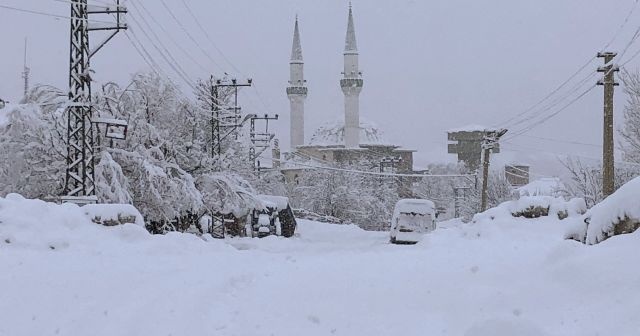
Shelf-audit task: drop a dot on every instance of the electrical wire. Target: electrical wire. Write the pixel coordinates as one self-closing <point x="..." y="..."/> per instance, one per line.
<point x="574" y="89"/>
<point x="167" y="34"/>
<point x="29" y="11"/>
<point x="363" y="172"/>
<point x="167" y="58"/>
<point x="184" y="29"/>
<point x="584" y="66"/>
<point x="545" y="119"/>
<point x="208" y="37"/>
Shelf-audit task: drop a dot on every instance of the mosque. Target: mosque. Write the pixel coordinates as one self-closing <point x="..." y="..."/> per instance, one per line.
<point x="346" y="143"/>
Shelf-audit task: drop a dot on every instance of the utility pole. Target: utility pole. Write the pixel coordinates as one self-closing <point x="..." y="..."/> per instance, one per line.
<point x="609" y="83"/>
<point x="490" y="142"/>
<point x="260" y="141"/>
<point x="223" y="126"/>
<point x="79" y="179"/>
<point x="233" y="122"/>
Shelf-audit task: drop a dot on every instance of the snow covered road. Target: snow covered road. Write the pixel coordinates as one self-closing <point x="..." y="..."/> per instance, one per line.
<point x="510" y="277"/>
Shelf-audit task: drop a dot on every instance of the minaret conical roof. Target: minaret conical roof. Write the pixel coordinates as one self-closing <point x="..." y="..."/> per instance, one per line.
<point x="296" y="49"/>
<point x="350" y="44"/>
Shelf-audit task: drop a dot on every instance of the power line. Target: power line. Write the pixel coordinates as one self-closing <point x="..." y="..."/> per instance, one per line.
<point x="168" y="59"/>
<point x="624" y="23"/>
<point x="545" y="119"/>
<point x="528" y="150"/>
<point x="575" y="74"/>
<point x="206" y="34"/>
<point x="168" y="35"/>
<point x="530" y="109"/>
<point x="559" y="100"/>
<point x="29" y="11"/>
<point x="366" y="172"/>
<point x="184" y="29"/>
<point x="227" y="60"/>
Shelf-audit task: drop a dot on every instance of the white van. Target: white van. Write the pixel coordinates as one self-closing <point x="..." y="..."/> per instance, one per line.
<point x="411" y="219"/>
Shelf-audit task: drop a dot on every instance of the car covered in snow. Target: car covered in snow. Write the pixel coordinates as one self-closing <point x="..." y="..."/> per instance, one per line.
<point x="411" y="219"/>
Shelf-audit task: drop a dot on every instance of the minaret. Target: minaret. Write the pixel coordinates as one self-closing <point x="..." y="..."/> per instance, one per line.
<point x="351" y="87"/>
<point x="297" y="91"/>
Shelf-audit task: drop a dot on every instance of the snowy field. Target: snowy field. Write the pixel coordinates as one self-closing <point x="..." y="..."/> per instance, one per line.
<point x="61" y="275"/>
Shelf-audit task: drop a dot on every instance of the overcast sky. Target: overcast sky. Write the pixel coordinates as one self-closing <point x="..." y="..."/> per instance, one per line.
<point x="428" y="65"/>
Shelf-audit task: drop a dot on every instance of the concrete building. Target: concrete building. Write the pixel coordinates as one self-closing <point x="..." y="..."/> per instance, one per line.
<point x="467" y="144"/>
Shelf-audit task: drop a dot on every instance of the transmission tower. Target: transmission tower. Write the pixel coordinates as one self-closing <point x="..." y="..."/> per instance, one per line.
<point x="79" y="179"/>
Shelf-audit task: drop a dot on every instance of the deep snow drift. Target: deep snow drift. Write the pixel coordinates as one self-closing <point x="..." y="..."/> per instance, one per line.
<point x="62" y="275"/>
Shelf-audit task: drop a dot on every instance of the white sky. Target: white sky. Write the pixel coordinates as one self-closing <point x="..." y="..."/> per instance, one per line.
<point x="428" y="65"/>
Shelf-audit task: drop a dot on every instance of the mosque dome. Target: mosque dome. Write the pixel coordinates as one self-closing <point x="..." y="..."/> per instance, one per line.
<point x="331" y="134"/>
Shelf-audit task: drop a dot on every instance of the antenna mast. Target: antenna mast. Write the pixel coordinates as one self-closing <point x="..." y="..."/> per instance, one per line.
<point x="26" y="71"/>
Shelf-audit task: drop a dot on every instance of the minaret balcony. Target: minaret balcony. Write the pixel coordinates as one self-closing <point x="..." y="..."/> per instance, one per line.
<point x="351" y="82"/>
<point x="297" y="90"/>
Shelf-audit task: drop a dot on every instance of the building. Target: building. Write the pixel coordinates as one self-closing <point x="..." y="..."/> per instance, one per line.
<point x="346" y="143"/>
<point x="467" y="144"/>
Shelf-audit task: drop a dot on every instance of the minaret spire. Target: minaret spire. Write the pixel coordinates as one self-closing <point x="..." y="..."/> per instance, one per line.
<point x="297" y="90"/>
<point x="350" y="43"/>
<point x="296" y="48"/>
<point x="351" y="85"/>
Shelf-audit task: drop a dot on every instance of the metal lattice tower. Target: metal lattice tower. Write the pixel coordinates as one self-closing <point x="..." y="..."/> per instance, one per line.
<point x="79" y="180"/>
<point x="26" y="71"/>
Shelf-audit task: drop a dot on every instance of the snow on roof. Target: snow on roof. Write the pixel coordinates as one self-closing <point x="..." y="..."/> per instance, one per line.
<point x="548" y="186"/>
<point x="332" y="134"/>
<point x="421" y="206"/>
<point x="471" y="128"/>
<point x="278" y="202"/>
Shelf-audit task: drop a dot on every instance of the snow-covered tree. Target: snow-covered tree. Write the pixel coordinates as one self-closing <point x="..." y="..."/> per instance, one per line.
<point x="30" y="164"/>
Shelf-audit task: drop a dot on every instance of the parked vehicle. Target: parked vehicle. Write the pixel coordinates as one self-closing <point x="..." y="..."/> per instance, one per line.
<point x="411" y="219"/>
<point x="275" y="218"/>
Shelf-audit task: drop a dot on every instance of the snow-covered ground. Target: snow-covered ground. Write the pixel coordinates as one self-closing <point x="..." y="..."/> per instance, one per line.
<point x="62" y="275"/>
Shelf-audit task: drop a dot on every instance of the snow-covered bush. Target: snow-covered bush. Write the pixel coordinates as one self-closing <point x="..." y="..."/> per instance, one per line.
<point x="617" y="214"/>
<point x="535" y="207"/>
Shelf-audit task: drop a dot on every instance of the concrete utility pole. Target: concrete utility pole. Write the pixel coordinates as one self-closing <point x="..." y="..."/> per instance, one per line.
<point x="490" y="142"/>
<point x="609" y="83"/>
<point x="79" y="179"/>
